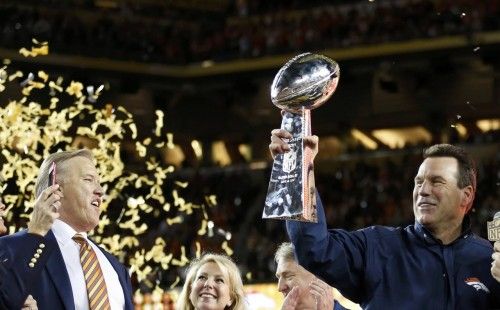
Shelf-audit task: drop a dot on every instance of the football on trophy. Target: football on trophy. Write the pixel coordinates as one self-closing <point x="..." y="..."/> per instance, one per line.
<point x="306" y="81"/>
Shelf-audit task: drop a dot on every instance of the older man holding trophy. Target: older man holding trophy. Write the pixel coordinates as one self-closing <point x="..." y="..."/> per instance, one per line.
<point x="302" y="84"/>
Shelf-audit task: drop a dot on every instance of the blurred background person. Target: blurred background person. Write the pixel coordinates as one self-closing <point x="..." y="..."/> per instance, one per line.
<point x="302" y="290"/>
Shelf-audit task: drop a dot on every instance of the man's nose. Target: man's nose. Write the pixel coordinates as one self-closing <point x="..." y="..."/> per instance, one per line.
<point x="282" y="286"/>
<point x="424" y="189"/>
<point x="99" y="190"/>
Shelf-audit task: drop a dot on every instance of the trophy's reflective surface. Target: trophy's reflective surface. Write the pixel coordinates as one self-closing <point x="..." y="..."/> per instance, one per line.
<point x="307" y="80"/>
<point x="302" y="84"/>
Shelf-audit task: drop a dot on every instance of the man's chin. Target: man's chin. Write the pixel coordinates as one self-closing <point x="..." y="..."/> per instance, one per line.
<point x="425" y="219"/>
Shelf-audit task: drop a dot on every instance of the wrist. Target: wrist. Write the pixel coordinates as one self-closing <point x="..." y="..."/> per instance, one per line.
<point x="37" y="231"/>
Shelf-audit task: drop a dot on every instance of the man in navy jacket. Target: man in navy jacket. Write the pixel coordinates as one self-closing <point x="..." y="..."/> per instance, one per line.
<point x="62" y="281"/>
<point x="437" y="263"/>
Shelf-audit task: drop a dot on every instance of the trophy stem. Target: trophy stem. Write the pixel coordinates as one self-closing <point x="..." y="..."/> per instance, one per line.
<point x="291" y="192"/>
<point x="308" y="182"/>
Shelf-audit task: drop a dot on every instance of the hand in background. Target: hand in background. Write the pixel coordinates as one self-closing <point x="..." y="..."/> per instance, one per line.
<point x="291" y="300"/>
<point x="495" y="265"/>
<point x="323" y="294"/>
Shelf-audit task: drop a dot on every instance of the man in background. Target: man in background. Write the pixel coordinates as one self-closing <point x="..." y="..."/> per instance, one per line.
<point x="302" y="290"/>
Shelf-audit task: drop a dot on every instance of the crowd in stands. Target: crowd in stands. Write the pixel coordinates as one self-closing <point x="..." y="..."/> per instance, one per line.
<point x="245" y="29"/>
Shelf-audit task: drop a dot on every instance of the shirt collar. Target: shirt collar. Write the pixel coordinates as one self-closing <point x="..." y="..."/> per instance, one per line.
<point x="424" y="233"/>
<point x="64" y="232"/>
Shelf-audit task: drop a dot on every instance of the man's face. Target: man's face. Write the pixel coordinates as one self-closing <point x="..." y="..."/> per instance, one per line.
<point x="291" y="274"/>
<point x="437" y="200"/>
<point x="3" y="229"/>
<point x="80" y="206"/>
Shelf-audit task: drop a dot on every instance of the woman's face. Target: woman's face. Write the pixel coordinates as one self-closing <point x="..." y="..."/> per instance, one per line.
<point x="210" y="288"/>
<point x="3" y="229"/>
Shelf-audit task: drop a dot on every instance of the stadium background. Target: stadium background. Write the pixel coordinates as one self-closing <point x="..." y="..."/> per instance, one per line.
<point x="413" y="73"/>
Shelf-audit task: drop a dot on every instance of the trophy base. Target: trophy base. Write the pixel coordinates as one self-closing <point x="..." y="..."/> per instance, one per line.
<point x="291" y="193"/>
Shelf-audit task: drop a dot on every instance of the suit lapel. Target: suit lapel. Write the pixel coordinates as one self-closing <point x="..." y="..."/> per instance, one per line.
<point x="59" y="275"/>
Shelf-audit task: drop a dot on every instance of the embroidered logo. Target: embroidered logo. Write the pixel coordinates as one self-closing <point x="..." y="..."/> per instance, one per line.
<point x="475" y="283"/>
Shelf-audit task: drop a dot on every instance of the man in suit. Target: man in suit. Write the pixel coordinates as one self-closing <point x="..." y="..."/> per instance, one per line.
<point x="103" y="282"/>
<point x="22" y="267"/>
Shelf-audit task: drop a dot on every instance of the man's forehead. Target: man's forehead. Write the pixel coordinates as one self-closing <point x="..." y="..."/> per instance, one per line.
<point x="285" y="265"/>
<point x="81" y="162"/>
<point x="438" y="165"/>
<point x="79" y="165"/>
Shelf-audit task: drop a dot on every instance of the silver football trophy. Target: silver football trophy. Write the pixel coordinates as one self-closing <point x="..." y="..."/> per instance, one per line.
<point x="302" y="84"/>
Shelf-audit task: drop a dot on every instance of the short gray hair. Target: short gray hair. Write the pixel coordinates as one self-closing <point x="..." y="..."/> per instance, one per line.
<point x="285" y="251"/>
<point x="42" y="181"/>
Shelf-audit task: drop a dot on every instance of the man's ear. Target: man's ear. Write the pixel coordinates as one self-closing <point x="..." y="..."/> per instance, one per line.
<point x="467" y="197"/>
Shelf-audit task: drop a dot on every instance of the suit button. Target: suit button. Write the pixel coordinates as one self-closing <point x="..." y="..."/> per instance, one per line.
<point x="41" y="246"/>
<point x="39" y="251"/>
<point x="33" y="260"/>
<point x="36" y="255"/>
<point x="31" y="265"/>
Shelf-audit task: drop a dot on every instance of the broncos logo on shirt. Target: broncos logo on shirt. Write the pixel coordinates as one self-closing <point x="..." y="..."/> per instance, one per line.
<point x="478" y="285"/>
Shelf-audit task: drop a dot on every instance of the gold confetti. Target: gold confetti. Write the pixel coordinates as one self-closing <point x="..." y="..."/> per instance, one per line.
<point x="211" y="200"/>
<point x="141" y="149"/>
<point x="170" y="141"/>
<point x="203" y="228"/>
<point x="44" y="76"/>
<point x="159" y="122"/>
<point x="75" y="89"/>
<point x="133" y="128"/>
<point x="29" y="130"/>
<point x="198" y="249"/>
<point x="226" y="248"/>
<point x="36" y="42"/>
<point x="177" y="280"/>
<point x="183" y="261"/>
<point x="55" y="86"/>
<point x="35" y="51"/>
<point x="181" y="184"/>
<point x="175" y="220"/>
<point x="16" y="75"/>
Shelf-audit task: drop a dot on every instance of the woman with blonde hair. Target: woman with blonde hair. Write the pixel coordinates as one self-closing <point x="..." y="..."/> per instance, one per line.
<point x="212" y="282"/>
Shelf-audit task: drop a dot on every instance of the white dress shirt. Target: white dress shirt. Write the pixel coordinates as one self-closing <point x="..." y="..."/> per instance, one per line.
<point x="71" y="254"/>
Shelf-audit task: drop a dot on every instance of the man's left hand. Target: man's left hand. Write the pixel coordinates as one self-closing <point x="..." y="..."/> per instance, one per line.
<point x="495" y="265"/>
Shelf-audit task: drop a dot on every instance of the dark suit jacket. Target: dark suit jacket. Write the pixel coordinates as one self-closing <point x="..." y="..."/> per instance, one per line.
<point x="53" y="289"/>
<point x="21" y="266"/>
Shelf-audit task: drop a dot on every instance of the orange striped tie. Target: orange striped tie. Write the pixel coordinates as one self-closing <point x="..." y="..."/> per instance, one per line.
<point x="96" y="286"/>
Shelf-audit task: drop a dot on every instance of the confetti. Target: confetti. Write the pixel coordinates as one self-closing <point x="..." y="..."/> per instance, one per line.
<point x="72" y="116"/>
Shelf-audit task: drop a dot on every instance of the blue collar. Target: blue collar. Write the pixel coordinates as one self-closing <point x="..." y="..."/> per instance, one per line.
<point x="428" y="238"/>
